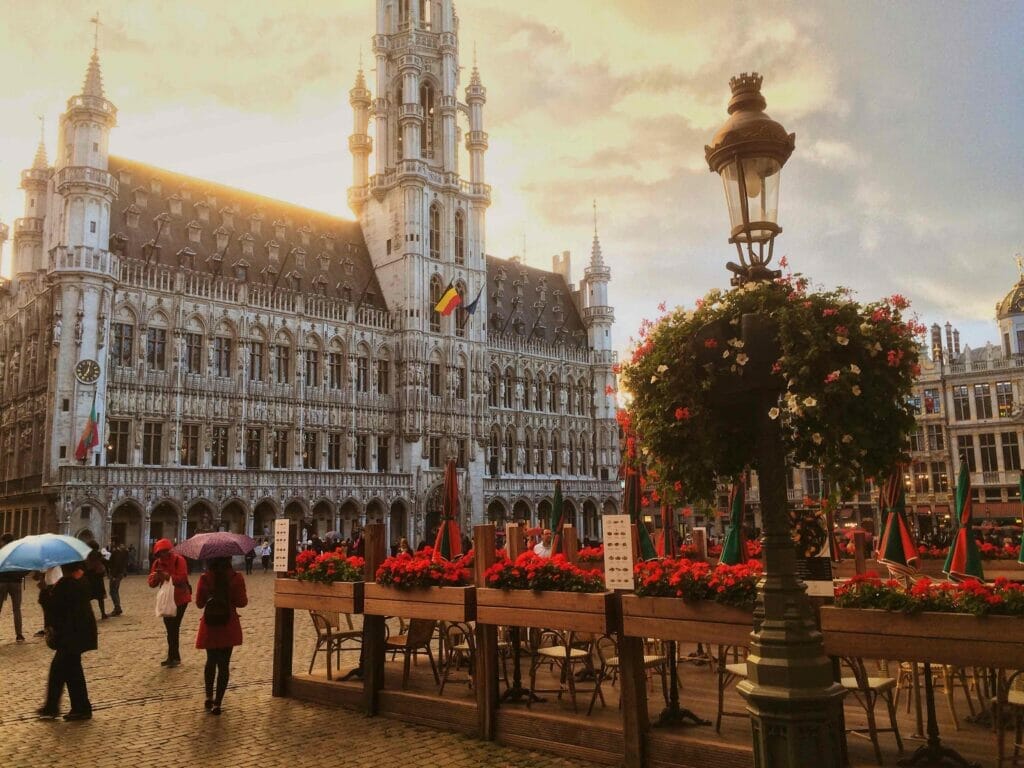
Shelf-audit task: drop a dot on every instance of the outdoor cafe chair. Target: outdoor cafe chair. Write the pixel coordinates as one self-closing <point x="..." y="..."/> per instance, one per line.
<point x="866" y="691"/>
<point x="559" y="649"/>
<point x="607" y="649"/>
<point x="459" y="650"/>
<point x="417" y="637"/>
<point x="331" y="639"/>
<point x="728" y="673"/>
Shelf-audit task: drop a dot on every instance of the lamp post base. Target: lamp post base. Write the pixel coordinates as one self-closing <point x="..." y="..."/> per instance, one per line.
<point x="791" y="731"/>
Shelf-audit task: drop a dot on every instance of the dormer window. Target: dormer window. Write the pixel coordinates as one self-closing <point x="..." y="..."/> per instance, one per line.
<point x="187" y="258"/>
<point x="202" y="211"/>
<point x="162" y="222"/>
<point x="273" y="251"/>
<point x="131" y="216"/>
<point x="300" y="258"/>
<point x="296" y="281"/>
<point x="247" y="244"/>
<point x="255" y="223"/>
<point x="320" y="284"/>
<point x="139" y="197"/>
<point x="223" y="236"/>
<point x="227" y="218"/>
<point x="304" y="234"/>
<point x="346" y="292"/>
<point x="174" y="201"/>
<point x="124" y="177"/>
<point x="156" y="186"/>
<point x="348" y="266"/>
<point x="327" y="242"/>
<point x="280" y="231"/>
<point x="195" y="232"/>
<point x="325" y="262"/>
<point x="241" y="270"/>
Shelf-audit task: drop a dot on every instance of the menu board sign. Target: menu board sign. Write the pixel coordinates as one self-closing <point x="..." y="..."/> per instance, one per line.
<point x="281" y="544"/>
<point x="618" y="552"/>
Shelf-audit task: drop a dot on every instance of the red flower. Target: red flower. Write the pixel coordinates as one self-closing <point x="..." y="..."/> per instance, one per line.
<point x="682" y="413"/>
<point x="711" y="343"/>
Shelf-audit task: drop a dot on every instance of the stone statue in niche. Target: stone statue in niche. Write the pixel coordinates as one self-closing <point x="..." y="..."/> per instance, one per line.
<point x="58" y="329"/>
<point x="78" y="330"/>
<point x="562" y="398"/>
<point x="519" y="393"/>
<point x="520" y="457"/>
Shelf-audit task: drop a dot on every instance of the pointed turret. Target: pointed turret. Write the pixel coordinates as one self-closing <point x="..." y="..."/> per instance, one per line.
<point x="597" y="313"/>
<point x="39" y="162"/>
<point x="93" y="85"/>
<point x="28" y="230"/>
<point x="359" y="143"/>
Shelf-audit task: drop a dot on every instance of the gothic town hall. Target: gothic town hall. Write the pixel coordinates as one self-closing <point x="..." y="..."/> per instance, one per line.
<point x="244" y="359"/>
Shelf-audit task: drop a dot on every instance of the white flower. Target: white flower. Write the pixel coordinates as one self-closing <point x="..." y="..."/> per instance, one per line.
<point x="810" y="402"/>
<point x="866" y="328"/>
<point x="816" y="437"/>
<point x="847" y="438"/>
<point x="662" y="368"/>
<point x="856" y="390"/>
<point x="773" y="413"/>
<point x="842" y="341"/>
<point x="741" y="358"/>
<point x="653" y="379"/>
<point x="725" y="354"/>
<point x="736" y="343"/>
<point x="855" y="369"/>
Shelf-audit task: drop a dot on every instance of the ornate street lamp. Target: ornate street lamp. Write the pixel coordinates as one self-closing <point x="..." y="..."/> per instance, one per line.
<point x="748" y="152"/>
<point x="794" y="701"/>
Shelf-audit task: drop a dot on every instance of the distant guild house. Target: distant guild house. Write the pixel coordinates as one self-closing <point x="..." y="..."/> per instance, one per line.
<point x="245" y="359"/>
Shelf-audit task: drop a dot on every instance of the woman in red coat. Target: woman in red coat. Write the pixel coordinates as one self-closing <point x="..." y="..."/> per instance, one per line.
<point x="220" y="592"/>
<point x="167" y="564"/>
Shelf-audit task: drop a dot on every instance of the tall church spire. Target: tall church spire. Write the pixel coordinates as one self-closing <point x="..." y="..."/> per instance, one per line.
<point x="596" y="259"/>
<point x="39" y="162"/>
<point x="93" y="85"/>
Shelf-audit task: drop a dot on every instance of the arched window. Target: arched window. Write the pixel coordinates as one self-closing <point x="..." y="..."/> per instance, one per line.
<point x="495" y="449"/>
<point x="436" y="288"/>
<point x="427" y="126"/>
<point x="542" y="457"/>
<point x="538" y="393"/>
<point x="572" y="454"/>
<point x="581" y="399"/>
<point x="460" y="311"/>
<point x="460" y="238"/>
<point x="556" y="456"/>
<point x="510" y="451"/>
<point x="435" y="232"/>
<point x="510" y="384"/>
<point x="528" y="446"/>
<point x="553" y="393"/>
<point x="570" y="391"/>
<point x="492" y="389"/>
<point x="583" y="455"/>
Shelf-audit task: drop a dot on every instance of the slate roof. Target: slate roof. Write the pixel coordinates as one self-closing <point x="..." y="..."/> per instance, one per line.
<point x="531" y="304"/>
<point x="217" y="229"/>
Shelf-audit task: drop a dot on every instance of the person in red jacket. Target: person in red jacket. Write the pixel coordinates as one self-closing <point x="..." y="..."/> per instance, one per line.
<point x="169" y="565"/>
<point x="221" y="590"/>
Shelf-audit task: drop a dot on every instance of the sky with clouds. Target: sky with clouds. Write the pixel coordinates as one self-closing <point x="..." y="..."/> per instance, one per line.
<point x="908" y="116"/>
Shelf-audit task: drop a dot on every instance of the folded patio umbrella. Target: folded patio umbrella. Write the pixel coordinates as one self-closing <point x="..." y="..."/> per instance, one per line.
<point x="734" y="547"/>
<point x="897" y="549"/>
<point x="448" y="545"/>
<point x="1020" y="557"/>
<point x="631" y="501"/>
<point x="668" y="544"/>
<point x="42" y="552"/>
<point x="557" y="519"/>
<point x="964" y="558"/>
<point x="205" y="546"/>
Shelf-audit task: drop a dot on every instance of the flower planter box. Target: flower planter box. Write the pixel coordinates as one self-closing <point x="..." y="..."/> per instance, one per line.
<point x="932" y="568"/>
<point x="943" y="638"/>
<point x="671" y="618"/>
<point x="441" y="603"/>
<point x="592" y="612"/>
<point x="341" y="596"/>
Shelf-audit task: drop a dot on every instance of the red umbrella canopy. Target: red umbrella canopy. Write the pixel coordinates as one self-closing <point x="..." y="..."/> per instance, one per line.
<point x="449" y="538"/>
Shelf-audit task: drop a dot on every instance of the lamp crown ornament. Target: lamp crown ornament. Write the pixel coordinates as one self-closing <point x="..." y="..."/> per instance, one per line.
<point x="746" y="92"/>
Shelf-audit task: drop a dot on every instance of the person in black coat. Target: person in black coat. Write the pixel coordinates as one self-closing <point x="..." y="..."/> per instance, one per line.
<point x="95" y="572"/>
<point x="71" y="631"/>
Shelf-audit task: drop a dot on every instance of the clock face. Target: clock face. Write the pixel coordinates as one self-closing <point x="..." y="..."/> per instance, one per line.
<point x="87" y="371"/>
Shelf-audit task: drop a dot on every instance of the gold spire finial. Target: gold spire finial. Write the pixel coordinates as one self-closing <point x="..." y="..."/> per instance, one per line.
<point x="95" y="20"/>
<point x="1020" y="267"/>
<point x="595" y="217"/>
<point x="42" y="129"/>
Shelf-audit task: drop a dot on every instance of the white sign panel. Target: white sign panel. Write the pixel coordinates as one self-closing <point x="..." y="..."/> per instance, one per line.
<point x="618" y="552"/>
<point x="281" y="545"/>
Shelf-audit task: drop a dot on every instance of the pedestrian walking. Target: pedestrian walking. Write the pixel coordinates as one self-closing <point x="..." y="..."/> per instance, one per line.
<point x="117" y="569"/>
<point x="250" y="557"/>
<point x="70" y="632"/>
<point x="265" y="554"/>
<point x="95" y="573"/>
<point x="12" y="584"/>
<point x="220" y="593"/>
<point x="168" y="565"/>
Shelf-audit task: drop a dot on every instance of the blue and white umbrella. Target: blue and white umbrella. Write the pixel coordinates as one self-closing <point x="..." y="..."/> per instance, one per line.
<point x="40" y="552"/>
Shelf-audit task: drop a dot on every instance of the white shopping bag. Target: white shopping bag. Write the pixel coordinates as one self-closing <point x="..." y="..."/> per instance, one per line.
<point x="165" y="600"/>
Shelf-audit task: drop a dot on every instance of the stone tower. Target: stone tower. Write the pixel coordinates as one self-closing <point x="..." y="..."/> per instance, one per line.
<point x="28" y="231"/>
<point x="80" y="268"/>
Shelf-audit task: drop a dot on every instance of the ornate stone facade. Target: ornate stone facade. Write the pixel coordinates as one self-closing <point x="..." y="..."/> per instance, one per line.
<point x="257" y="359"/>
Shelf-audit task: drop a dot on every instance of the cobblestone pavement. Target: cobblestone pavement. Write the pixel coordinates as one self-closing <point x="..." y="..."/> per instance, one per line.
<point x="147" y="715"/>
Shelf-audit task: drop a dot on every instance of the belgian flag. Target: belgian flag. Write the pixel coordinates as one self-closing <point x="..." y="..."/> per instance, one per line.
<point x="90" y="435"/>
<point x="450" y="299"/>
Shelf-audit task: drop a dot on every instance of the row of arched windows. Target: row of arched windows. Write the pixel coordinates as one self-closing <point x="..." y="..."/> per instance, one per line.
<point x="539" y="453"/>
<point x="434" y="234"/>
<point x="538" y="394"/>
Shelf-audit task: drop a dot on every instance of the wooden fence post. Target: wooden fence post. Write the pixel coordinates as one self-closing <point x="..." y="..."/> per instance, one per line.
<point x="486" y="672"/>
<point x="515" y="541"/>
<point x="859" y="541"/>
<point x="284" y="628"/>
<point x="635" y="720"/>
<point x="372" y="656"/>
<point x="570" y="543"/>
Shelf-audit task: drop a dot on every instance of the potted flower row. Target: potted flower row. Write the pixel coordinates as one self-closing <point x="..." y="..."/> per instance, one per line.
<point x="415" y="586"/>
<point x="542" y="592"/>
<point x="322" y="582"/>
<point x="692" y="601"/>
<point x="968" y="624"/>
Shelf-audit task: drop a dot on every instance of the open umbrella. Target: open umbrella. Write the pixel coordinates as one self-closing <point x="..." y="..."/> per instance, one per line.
<point x="896" y="547"/>
<point x="734" y="547"/>
<point x="206" y="546"/>
<point x="41" y="552"/>
<point x="964" y="558"/>
<point x="448" y="545"/>
<point x="631" y="502"/>
<point x="668" y="542"/>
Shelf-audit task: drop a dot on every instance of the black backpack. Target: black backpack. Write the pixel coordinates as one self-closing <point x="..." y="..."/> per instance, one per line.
<point x="217" y="610"/>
